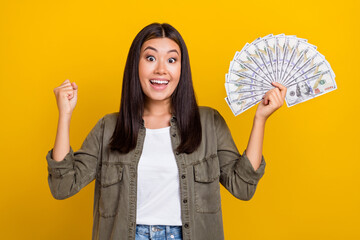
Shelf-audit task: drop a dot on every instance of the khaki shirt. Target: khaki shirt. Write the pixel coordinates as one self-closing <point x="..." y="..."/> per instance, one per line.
<point x="216" y="160"/>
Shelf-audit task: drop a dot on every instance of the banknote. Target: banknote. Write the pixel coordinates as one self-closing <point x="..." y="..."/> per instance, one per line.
<point x="286" y="59"/>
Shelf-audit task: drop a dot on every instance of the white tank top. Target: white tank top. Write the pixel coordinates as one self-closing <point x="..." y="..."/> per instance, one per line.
<point x="158" y="190"/>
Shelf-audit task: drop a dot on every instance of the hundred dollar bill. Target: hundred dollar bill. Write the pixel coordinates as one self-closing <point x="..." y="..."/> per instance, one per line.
<point x="236" y="97"/>
<point x="251" y="56"/>
<point x="279" y="52"/>
<point x="240" y="87"/>
<point x="245" y="61"/>
<point x="243" y="105"/>
<point x="238" y="66"/>
<point x="244" y="76"/>
<point x="292" y="45"/>
<point x="316" y="64"/>
<point x="286" y="59"/>
<point x="257" y="57"/>
<point x="311" y="87"/>
<point x="270" y="48"/>
<point x="303" y="52"/>
<point x="232" y="88"/>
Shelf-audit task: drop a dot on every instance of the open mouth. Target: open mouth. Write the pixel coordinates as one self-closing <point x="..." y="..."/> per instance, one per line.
<point x="159" y="82"/>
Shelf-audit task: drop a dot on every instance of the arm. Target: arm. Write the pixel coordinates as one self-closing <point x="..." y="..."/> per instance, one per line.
<point x="255" y="144"/>
<point x="66" y="98"/>
<point x="237" y="174"/>
<point x="240" y="174"/>
<point x="62" y="142"/>
<point x="76" y="169"/>
<point x="68" y="172"/>
<point x="273" y="100"/>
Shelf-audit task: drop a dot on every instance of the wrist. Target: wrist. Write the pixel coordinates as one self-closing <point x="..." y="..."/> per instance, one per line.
<point x="260" y="120"/>
<point x="65" y="118"/>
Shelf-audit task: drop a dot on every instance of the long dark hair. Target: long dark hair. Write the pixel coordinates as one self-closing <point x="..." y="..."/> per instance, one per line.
<point x="183" y="99"/>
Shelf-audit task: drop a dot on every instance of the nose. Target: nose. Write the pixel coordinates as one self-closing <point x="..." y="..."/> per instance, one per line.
<point x="161" y="67"/>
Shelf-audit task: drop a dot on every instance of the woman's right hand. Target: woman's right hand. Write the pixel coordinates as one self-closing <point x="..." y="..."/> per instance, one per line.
<point x="66" y="97"/>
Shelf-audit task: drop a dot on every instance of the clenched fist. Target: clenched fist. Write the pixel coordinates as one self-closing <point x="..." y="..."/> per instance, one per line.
<point x="66" y="97"/>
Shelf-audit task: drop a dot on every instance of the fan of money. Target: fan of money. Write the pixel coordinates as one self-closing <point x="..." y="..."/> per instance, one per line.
<point x="289" y="60"/>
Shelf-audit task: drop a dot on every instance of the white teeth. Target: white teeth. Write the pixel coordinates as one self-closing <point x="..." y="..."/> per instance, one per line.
<point x="159" y="81"/>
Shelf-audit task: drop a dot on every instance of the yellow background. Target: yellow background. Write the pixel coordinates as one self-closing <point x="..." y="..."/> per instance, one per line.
<point x="311" y="186"/>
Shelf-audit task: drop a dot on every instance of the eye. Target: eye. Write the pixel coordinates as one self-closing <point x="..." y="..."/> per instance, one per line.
<point x="172" y="60"/>
<point x="150" y="58"/>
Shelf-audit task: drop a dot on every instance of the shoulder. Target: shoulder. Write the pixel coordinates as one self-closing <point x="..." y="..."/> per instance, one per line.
<point x="111" y="116"/>
<point x="212" y="116"/>
<point x="206" y="112"/>
<point x="209" y="115"/>
<point x="109" y="120"/>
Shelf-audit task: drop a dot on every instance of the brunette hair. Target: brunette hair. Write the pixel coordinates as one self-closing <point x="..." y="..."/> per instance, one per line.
<point x="183" y="100"/>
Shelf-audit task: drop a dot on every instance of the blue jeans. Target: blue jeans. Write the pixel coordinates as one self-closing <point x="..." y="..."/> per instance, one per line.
<point x="158" y="232"/>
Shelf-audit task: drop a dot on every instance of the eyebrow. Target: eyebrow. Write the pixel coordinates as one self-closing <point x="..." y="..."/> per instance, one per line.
<point x="172" y="50"/>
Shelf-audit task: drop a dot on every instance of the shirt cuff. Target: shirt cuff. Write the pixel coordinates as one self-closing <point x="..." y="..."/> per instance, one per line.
<point x="59" y="168"/>
<point x="247" y="172"/>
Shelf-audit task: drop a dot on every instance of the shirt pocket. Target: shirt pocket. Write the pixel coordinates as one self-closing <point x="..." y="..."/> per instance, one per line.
<point x="111" y="178"/>
<point x="206" y="185"/>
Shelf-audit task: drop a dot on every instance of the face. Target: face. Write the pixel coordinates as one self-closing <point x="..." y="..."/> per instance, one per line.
<point x="303" y="87"/>
<point x="159" y="68"/>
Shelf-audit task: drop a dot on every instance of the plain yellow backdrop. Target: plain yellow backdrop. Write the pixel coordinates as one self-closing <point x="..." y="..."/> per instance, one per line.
<point x="311" y="187"/>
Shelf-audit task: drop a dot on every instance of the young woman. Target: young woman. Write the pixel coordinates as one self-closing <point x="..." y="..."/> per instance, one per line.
<point x="159" y="160"/>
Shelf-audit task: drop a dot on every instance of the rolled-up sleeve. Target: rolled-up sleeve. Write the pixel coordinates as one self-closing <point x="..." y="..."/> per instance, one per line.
<point x="237" y="174"/>
<point x="77" y="169"/>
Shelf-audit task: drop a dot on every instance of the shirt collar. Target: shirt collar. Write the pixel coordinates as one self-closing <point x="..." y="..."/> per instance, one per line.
<point x="172" y="120"/>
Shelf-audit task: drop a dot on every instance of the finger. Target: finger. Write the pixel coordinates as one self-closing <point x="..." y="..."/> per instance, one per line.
<point x="66" y="88"/>
<point x="73" y="84"/>
<point x="280" y="100"/>
<point x="64" y="85"/>
<point x="266" y="99"/>
<point x="266" y="96"/>
<point x="282" y="88"/>
<point x="273" y="99"/>
<point x="59" y="90"/>
<point x="278" y="95"/>
<point x="69" y="94"/>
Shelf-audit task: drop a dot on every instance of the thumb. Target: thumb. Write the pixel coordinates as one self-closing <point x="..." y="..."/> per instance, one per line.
<point x="75" y="87"/>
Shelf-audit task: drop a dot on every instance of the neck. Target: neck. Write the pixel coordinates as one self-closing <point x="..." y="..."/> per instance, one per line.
<point x="157" y="108"/>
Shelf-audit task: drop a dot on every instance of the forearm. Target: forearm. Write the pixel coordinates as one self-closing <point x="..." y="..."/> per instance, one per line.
<point x="255" y="144"/>
<point x="62" y="142"/>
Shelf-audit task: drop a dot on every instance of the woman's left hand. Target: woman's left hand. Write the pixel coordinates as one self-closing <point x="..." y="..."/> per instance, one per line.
<point x="273" y="100"/>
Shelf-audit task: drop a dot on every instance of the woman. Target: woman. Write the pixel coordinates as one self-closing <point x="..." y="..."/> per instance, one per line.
<point x="159" y="160"/>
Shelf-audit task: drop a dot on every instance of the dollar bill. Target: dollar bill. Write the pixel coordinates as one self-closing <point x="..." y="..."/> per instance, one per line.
<point x="286" y="59"/>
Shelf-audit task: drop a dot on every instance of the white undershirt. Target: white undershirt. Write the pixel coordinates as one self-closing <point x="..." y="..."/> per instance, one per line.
<point x="158" y="190"/>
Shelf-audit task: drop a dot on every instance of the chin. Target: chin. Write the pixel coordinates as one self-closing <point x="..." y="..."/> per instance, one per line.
<point x="158" y="98"/>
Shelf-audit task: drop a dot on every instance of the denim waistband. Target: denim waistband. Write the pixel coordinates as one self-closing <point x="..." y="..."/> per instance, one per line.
<point x="161" y="227"/>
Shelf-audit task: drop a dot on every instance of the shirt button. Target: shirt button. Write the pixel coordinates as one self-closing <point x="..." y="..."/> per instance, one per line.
<point x="177" y="153"/>
<point x="183" y="176"/>
<point x="186" y="225"/>
<point x="174" y="135"/>
<point x="184" y="201"/>
<point x="172" y="236"/>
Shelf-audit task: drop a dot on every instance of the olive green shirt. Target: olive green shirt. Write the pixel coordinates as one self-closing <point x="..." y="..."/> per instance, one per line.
<point x="216" y="160"/>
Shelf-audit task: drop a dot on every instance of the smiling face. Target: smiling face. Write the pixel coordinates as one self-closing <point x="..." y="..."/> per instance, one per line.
<point x="159" y="68"/>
